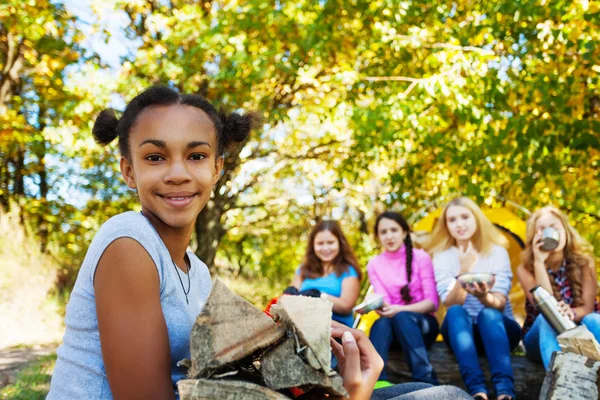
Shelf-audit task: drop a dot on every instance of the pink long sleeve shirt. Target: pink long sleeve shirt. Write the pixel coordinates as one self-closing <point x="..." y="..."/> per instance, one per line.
<point x="387" y="275"/>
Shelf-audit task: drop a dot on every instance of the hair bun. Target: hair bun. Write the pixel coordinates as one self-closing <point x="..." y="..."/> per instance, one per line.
<point x="105" y="127"/>
<point x="237" y="127"/>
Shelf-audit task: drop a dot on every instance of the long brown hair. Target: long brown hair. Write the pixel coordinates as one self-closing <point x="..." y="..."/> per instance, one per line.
<point x="483" y="239"/>
<point x="313" y="268"/>
<point x="577" y="253"/>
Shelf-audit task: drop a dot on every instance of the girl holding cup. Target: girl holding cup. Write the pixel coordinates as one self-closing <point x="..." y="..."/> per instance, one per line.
<point x="559" y="260"/>
<point x="479" y="316"/>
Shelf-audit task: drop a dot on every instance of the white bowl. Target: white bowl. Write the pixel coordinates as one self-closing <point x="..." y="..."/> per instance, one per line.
<point x="373" y="302"/>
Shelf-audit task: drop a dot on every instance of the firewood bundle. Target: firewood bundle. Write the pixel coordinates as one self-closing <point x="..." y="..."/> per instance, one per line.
<point x="238" y="352"/>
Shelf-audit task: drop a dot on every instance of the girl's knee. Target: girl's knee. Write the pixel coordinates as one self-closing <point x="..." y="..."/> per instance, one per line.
<point x="457" y="311"/>
<point x="489" y="315"/>
<point x="592" y="319"/>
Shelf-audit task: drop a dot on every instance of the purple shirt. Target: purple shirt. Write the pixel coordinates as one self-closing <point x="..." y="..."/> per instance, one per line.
<point x="387" y="274"/>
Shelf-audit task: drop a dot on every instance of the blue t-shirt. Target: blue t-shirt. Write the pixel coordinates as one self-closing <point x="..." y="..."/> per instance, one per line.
<point x="79" y="372"/>
<point x="332" y="285"/>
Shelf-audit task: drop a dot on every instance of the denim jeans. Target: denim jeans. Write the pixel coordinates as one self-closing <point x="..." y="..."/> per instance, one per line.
<point x="540" y="341"/>
<point x="419" y="391"/>
<point x="493" y="333"/>
<point x="415" y="333"/>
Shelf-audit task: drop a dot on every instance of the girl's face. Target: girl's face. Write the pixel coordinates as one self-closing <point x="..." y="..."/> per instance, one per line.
<point x="174" y="163"/>
<point x="548" y="219"/>
<point x="461" y="223"/>
<point x="390" y="234"/>
<point x="327" y="246"/>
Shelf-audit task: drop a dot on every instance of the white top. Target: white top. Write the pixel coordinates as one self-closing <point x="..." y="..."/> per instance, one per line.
<point x="446" y="266"/>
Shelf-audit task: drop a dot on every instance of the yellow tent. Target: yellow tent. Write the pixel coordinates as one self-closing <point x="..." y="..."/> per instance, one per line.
<point x="512" y="227"/>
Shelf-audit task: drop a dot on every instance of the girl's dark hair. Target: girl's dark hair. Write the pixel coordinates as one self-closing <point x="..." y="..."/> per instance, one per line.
<point x="399" y="219"/>
<point x="313" y="268"/>
<point x="230" y="127"/>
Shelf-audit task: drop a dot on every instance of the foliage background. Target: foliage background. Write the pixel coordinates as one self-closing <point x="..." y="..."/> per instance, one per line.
<point x="367" y="106"/>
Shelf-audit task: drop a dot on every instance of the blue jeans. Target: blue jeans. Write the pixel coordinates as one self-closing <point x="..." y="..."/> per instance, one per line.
<point x="493" y="333"/>
<point x="415" y="333"/>
<point x="419" y="391"/>
<point x="540" y="341"/>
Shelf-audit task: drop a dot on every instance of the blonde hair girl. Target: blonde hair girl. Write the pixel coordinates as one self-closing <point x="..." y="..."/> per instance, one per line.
<point x="479" y="316"/>
<point x="567" y="272"/>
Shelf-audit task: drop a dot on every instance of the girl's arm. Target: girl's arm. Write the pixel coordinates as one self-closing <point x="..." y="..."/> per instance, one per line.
<point x="422" y="307"/>
<point x="497" y="296"/>
<point x="378" y="285"/>
<point x="297" y="281"/>
<point x="347" y="300"/>
<point x="132" y="328"/>
<point x="589" y="288"/>
<point x="449" y="290"/>
<point x="539" y="263"/>
<point x="527" y="281"/>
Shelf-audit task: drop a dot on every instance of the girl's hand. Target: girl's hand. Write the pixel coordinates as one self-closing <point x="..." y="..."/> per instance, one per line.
<point x="360" y="365"/>
<point x="539" y="255"/>
<point x="478" y="289"/>
<point x="467" y="257"/>
<point x="566" y="310"/>
<point x="388" y="311"/>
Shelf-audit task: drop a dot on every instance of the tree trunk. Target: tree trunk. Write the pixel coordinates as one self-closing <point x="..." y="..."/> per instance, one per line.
<point x="209" y="232"/>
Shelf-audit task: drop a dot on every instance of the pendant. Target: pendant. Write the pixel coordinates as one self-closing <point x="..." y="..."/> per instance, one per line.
<point x="186" y="300"/>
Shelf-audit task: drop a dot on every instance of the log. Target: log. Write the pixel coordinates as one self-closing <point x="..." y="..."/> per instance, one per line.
<point x="228" y="330"/>
<point x="571" y="376"/>
<point x="205" y="389"/>
<point x="282" y="368"/>
<point x="309" y="319"/>
<point x="529" y="375"/>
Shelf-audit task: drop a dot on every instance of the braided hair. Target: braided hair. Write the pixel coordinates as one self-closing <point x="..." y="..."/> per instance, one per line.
<point x="399" y="219"/>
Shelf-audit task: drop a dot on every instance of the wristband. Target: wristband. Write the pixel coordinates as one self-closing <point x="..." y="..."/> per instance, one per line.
<point x="324" y="296"/>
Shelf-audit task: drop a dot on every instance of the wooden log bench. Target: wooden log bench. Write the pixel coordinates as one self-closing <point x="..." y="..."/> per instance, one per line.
<point x="529" y="376"/>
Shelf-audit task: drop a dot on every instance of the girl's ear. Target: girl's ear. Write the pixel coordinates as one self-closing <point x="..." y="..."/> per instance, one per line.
<point x="218" y="169"/>
<point x="127" y="172"/>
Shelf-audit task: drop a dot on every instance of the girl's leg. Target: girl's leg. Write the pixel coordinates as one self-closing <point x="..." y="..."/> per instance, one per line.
<point x="592" y="322"/>
<point x="419" y="391"/>
<point x="548" y="341"/>
<point x="531" y="340"/>
<point x="457" y="330"/>
<point x="495" y="339"/>
<point x="381" y="336"/>
<point x="409" y="329"/>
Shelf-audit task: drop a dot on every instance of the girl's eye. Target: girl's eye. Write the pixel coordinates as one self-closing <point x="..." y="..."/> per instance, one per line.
<point x="154" y="158"/>
<point x="197" y="156"/>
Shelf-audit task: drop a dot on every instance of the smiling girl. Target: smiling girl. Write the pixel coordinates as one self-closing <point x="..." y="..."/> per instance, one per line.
<point x="405" y="277"/>
<point x="139" y="290"/>
<point x="568" y="272"/>
<point x="331" y="267"/>
<point x="479" y="318"/>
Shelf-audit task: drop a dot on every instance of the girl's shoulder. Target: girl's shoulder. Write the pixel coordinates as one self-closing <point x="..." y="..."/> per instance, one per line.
<point x="498" y="251"/>
<point x="421" y="254"/>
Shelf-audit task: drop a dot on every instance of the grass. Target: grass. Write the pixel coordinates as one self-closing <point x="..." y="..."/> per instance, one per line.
<point x="33" y="382"/>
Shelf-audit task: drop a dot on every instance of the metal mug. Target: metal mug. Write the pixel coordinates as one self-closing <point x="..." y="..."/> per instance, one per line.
<point x="550" y="238"/>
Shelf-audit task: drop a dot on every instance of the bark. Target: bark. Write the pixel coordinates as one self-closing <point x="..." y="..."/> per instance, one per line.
<point x="571" y="376"/>
<point x="11" y="70"/>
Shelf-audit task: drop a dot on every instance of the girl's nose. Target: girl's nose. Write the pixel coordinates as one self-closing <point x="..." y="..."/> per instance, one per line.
<point x="178" y="172"/>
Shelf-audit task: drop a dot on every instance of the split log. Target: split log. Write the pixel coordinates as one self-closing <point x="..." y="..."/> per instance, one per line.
<point x="282" y="368"/>
<point x="580" y="340"/>
<point x="529" y="375"/>
<point x="571" y="376"/>
<point x="310" y="319"/>
<point x="205" y="389"/>
<point x="227" y="330"/>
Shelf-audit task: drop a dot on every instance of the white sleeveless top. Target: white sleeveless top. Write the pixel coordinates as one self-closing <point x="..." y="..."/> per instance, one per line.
<point x="79" y="372"/>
